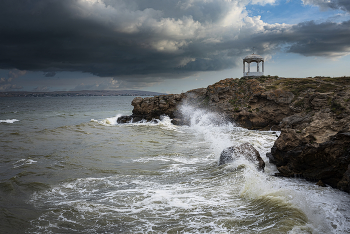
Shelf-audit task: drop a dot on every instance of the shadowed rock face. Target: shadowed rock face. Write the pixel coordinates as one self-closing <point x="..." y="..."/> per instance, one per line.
<point x="245" y="150"/>
<point x="315" y="141"/>
<point x="328" y="161"/>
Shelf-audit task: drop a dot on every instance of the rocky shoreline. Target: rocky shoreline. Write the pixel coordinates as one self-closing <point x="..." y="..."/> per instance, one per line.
<point x="313" y="115"/>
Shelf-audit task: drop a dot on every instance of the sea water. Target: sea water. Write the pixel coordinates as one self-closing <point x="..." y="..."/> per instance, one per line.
<point x="66" y="166"/>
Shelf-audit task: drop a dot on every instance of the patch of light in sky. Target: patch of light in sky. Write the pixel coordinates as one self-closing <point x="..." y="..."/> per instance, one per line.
<point x="294" y="12"/>
<point x="287" y="65"/>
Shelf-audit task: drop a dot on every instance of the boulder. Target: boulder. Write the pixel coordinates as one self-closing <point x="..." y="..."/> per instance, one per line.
<point x="246" y="150"/>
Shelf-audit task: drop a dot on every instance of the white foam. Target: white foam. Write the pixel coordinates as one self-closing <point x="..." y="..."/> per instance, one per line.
<point x="22" y="162"/>
<point x="179" y="168"/>
<point x="108" y="121"/>
<point x="212" y="127"/>
<point x="142" y="198"/>
<point x="172" y="158"/>
<point x="189" y="191"/>
<point x="164" y="122"/>
<point x="9" y="121"/>
<point x="323" y="210"/>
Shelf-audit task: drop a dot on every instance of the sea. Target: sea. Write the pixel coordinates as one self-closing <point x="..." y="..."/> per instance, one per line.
<point x="67" y="166"/>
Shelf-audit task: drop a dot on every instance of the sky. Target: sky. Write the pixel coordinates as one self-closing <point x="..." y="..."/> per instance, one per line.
<point x="168" y="46"/>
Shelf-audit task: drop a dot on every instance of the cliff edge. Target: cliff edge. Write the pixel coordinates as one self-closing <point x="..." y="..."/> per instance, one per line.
<point x="313" y="115"/>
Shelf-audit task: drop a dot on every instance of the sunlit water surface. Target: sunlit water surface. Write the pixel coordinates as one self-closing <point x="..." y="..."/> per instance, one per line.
<point x="68" y="167"/>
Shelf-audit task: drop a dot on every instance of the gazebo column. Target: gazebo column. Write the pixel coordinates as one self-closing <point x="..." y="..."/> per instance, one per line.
<point x="263" y="66"/>
<point x="248" y="67"/>
<point x="257" y="66"/>
<point x="243" y="68"/>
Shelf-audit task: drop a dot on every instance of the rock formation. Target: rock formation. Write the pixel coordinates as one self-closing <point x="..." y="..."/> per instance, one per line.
<point x="303" y="157"/>
<point x="149" y="108"/>
<point x="245" y="150"/>
<point x="313" y="115"/>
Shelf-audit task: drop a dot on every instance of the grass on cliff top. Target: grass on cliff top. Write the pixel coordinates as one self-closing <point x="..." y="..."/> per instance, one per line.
<point x="338" y="80"/>
<point x="242" y="80"/>
<point x="299" y="85"/>
<point x="294" y="85"/>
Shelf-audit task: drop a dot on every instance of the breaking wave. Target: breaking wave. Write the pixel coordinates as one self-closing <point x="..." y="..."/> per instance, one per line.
<point x="169" y="181"/>
<point x="8" y="120"/>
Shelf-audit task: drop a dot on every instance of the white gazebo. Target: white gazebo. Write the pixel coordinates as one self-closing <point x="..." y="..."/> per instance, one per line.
<point x="253" y="58"/>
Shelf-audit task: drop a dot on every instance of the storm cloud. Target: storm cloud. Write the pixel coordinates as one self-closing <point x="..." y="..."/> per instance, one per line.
<point x="333" y="4"/>
<point x="139" y="39"/>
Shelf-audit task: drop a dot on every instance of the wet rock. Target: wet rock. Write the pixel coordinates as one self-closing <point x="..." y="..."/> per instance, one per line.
<point x="124" y="119"/>
<point x="328" y="161"/>
<point x="129" y="119"/>
<point x="154" y="107"/>
<point x="246" y="150"/>
<point x="344" y="183"/>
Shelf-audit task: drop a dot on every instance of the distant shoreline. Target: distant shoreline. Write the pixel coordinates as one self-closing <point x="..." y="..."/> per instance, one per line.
<point x="79" y="93"/>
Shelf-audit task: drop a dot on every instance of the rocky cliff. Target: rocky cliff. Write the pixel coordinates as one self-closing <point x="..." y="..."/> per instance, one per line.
<point x="313" y="115"/>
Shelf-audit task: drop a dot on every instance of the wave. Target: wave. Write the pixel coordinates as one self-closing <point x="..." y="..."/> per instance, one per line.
<point x="22" y="162"/>
<point x="324" y="215"/>
<point x="164" y="122"/>
<point x="9" y="121"/>
<point x="188" y="192"/>
<point x="108" y="121"/>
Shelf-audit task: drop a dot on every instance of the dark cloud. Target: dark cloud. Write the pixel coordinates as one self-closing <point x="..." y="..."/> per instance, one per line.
<point x="310" y="39"/>
<point x="325" y="39"/>
<point x="148" y="39"/>
<point x="332" y="4"/>
<point x="50" y="74"/>
<point x="61" y="35"/>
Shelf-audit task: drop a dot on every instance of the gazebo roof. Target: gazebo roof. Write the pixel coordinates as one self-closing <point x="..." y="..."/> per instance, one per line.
<point x="253" y="58"/>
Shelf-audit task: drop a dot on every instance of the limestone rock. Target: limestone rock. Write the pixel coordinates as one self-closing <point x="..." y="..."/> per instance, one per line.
<point x="279" y="96"/>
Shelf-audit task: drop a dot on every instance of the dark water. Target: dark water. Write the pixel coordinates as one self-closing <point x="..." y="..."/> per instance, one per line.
<point x="67" y="167"/>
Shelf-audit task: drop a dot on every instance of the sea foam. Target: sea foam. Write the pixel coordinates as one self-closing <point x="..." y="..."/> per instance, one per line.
<point x="9" y="121"/>
<point x="325" y="215"/>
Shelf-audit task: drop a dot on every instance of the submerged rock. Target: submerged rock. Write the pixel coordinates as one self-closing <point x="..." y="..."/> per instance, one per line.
<point x="246" y="150"/>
